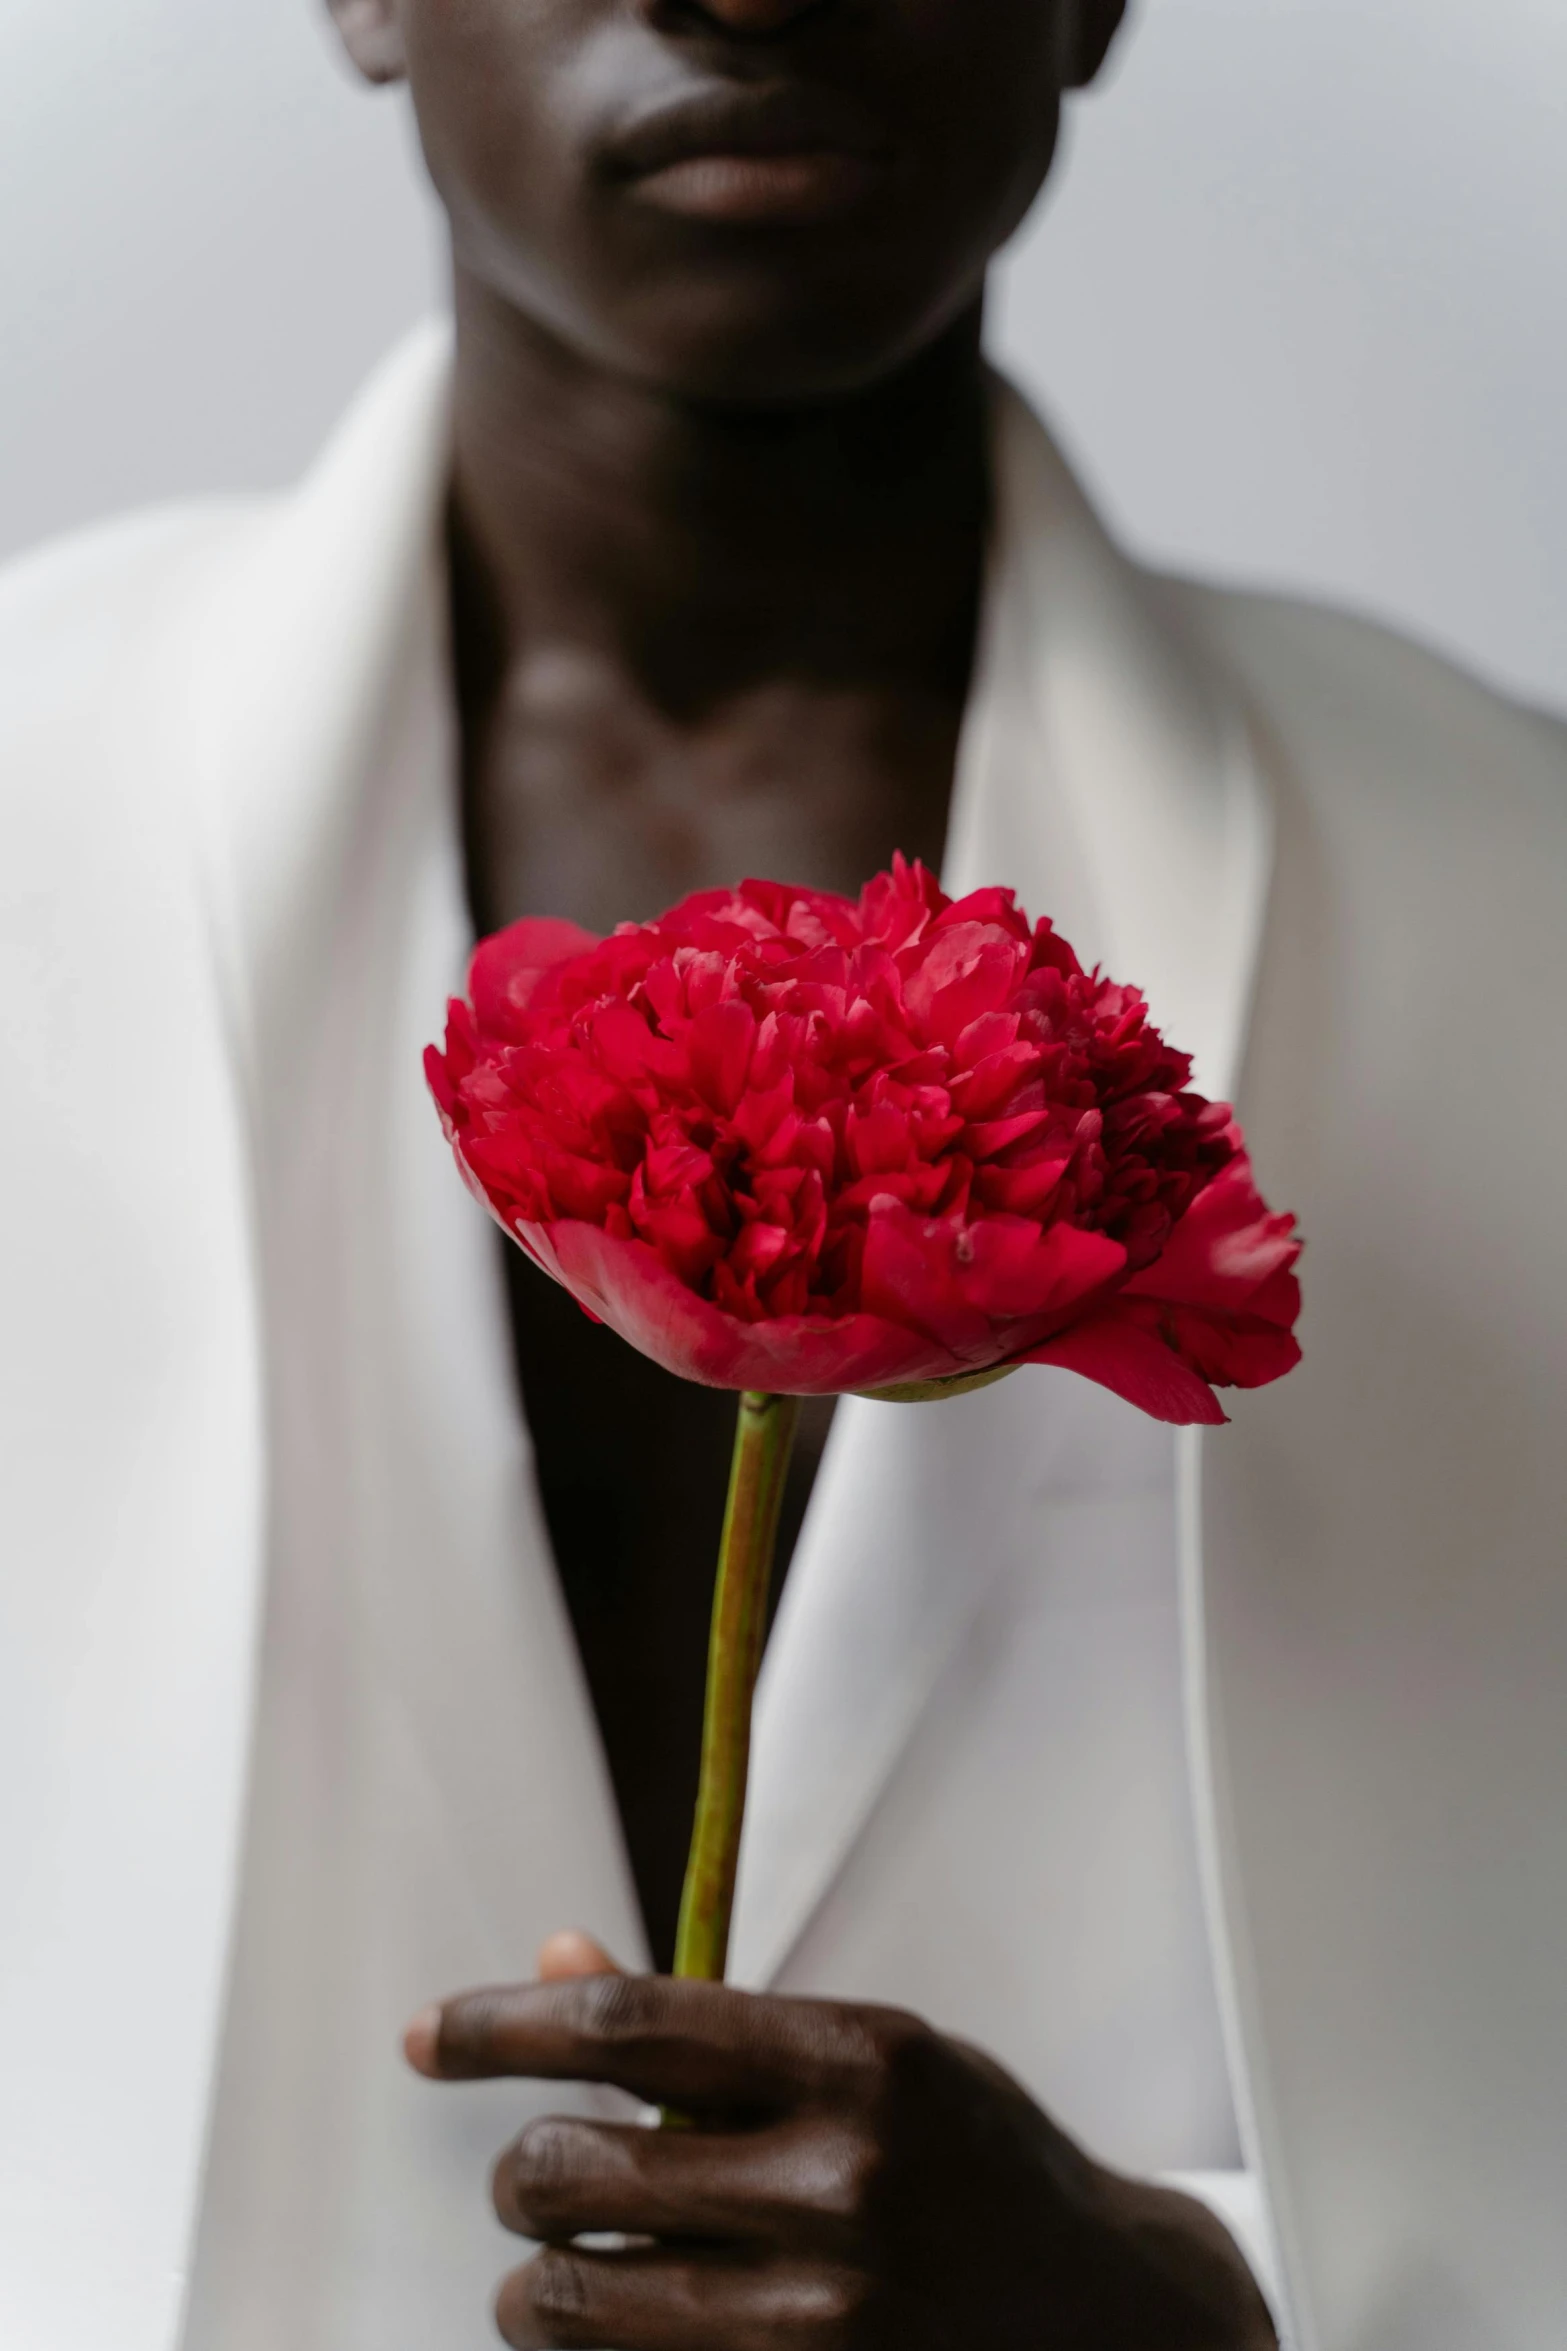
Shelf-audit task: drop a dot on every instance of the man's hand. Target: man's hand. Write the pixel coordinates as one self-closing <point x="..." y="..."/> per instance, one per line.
<point x="852" y="2181"/>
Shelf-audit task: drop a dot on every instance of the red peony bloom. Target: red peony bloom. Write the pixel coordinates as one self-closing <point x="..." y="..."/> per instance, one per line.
<point x="786" y="1142"/>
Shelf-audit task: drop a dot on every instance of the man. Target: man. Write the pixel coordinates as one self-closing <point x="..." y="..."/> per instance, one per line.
<point x="340" y="1681"/>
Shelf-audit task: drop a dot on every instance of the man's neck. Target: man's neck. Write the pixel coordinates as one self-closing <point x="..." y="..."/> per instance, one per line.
<point x="704" y="550"/>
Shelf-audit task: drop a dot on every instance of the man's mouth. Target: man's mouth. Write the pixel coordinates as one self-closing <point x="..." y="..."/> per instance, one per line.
<point x="744" y="154"/>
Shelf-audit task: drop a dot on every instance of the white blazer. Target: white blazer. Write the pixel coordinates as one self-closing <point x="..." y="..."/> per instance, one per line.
<point x="256" y="1390"/>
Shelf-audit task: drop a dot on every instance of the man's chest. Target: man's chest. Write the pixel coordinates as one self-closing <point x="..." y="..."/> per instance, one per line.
<point x="583" y="799"/>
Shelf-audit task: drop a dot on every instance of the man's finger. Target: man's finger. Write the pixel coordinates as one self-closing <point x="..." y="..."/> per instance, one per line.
<point x="692" y="2045"/>
<point x="800" y="2186"/>
<point x="569" y="2300"/>
<point x="562" y="1958"/>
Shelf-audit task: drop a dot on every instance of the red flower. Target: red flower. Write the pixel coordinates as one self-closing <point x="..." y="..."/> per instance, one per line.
<point x="782" y="1141"/>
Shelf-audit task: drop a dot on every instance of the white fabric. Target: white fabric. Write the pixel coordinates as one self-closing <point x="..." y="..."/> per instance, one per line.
<point x="206" y="725"/>
<point x="1050" y="1715"/>
<point x="428" y="1796"/>
<point x="132" y="1459"/>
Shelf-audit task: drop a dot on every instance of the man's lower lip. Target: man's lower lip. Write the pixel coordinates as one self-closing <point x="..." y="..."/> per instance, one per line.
<point x="805" y="187"/>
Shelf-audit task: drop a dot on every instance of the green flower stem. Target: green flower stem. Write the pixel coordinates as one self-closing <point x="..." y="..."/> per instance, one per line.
<point x="764" y="1440"/>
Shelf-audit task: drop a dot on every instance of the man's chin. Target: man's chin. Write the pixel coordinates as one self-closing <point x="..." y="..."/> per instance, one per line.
<point x="774" y="351"/>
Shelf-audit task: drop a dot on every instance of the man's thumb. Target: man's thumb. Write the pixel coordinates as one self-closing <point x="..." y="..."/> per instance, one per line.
<point x="572" y="1954"/>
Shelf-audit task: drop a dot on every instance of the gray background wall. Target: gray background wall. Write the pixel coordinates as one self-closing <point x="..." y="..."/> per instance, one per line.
<point x="1297" y="303"/>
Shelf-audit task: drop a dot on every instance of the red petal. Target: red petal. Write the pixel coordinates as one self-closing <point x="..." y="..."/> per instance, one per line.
<point x="1015" y="1273"/>
<point x="1227" y="1250"/>
<point x="719" y="1043"/>
<point x="625" y="1284"/>
<point x="909" y="1274"/>
<point x="440" y="1085"/>
<point x="681" y="1235"/>
<point x="968" y="971"/>
<point x="988" y="1138"/>
<point x="507" y="968"/>
<point x="1116" y="1350"/>
<point x="878" y="1139"/>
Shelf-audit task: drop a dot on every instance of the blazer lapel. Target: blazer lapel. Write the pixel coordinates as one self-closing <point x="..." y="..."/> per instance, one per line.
<point x="427" y="1793"/>
<point x="396" y="1437"/>
<point x="913" y="1506"/>
<point x="1107" y="777"/>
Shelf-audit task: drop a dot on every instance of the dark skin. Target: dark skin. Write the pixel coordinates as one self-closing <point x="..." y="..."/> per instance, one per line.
<point x="718" y="519"/>
<point x="661" y="691"/>
<point x="855" y="2181"/>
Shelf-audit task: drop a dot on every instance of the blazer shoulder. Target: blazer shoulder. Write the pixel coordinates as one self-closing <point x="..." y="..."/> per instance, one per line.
<point x="98" y="630"/>
<point x="1346" y="695"/>
<point x="112" y="576"/>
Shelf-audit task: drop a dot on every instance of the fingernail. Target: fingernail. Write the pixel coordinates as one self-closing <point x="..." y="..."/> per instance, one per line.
<point x="422" y="2040"/>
